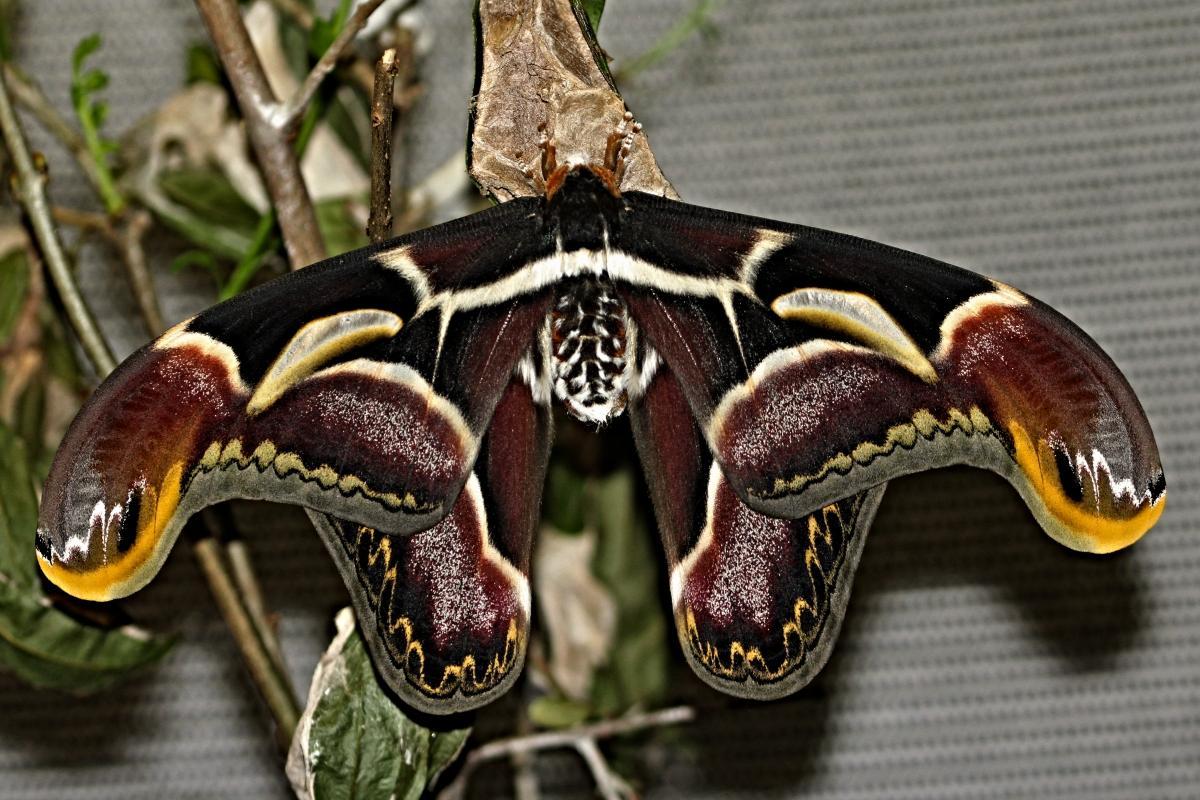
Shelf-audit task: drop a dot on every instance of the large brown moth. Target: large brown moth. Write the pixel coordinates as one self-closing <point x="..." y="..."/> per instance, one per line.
<point x="776" y="376"/>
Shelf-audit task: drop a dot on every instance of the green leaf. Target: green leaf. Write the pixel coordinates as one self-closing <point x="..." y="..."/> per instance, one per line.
<point x="324" y="31"/>
<point x="593" y="9"/>
<point x="14" y="280"/>
<point x="91" y="114"/>
<point x="209" y="195"/>
<point x="353" y="741"/>
<point x="42" y="645"/>
<point x="558" y="712"/>
<point x="202" y="65"/>
<point x="18" y="513"/>
<point x="86" y="47"/>
<point x="49" y="649"/>
<point x="341" y="231"/>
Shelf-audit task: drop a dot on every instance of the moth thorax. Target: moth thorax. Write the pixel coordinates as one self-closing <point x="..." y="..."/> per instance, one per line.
<point x="588" y="335"/>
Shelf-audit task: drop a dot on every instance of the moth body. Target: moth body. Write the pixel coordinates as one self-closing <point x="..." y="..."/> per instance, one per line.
<point x="588" y="340"/>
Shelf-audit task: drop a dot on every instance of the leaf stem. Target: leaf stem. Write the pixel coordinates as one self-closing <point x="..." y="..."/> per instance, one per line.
<point x="30" y="188"/>
<point x="27" y="93"/>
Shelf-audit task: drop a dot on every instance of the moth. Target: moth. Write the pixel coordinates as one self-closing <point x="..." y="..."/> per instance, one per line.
<point x="776" y="377"/>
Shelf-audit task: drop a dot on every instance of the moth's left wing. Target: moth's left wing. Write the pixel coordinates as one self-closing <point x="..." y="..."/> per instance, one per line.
<point x="819" y="365"/>
<point x="359" y="387"/>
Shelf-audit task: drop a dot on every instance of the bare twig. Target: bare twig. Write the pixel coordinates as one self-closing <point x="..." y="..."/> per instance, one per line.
<point x="610" y="785"/>
<point x="30" y="188"/>
<point x="503" y="748"/>
<point x="125" y="234"/>
<point x="402" y="101"/>
<point x="251" y="593"/>
<point x="358" y="70"/>
<point x="272" y="146"/>
<point x="275" y="688"/>
<point x="379" y="224"/>
<point x="136" y="223"/>
<point x="291" y="112"/>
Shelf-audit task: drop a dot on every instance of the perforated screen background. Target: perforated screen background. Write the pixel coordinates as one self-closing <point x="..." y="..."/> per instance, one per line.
<point x="1054" y="145"/>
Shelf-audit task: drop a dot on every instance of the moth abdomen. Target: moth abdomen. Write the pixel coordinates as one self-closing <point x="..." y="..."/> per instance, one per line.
<point x="588" y="337"/>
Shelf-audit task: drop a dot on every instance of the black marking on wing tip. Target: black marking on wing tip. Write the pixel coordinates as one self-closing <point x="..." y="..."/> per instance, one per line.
<point x="1068" y="478"/>
<point x="41" y="542"/>
<point x="128" y="528"/>
<point x="1158" y="486"/>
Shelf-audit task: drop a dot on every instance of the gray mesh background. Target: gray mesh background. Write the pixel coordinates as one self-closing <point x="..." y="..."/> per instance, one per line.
<point x="1055" y="145"/>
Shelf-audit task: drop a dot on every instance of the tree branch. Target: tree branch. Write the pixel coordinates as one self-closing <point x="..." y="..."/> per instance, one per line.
<point x="610" y="785"/>
<point x="379" y="224"/>
<point x="30" y="188"/>
<point x="272" y="145"/>
<point x="575" y="738"/>
<point x="125" y="234"/>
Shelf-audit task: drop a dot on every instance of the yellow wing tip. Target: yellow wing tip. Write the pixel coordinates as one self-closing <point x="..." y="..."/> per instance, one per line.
<point x="1108" y="535"/>
<point x="1069" y="522"/>
<point x="84" y="585"/>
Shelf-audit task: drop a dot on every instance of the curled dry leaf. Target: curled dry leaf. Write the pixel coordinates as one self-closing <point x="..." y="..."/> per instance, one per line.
<point x="539" y="49"/>
<point x="579" y="613"/>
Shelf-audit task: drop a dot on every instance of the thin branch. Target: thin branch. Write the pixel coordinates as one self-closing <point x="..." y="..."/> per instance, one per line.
<point x="504" y="748"/>
<point x="379" y="224"/>
<point x="358" y="71"/>
<point x="251" y="593"/>
<point x="137" y="223"/>
<point x="30" y="187"/>
<point x="291" y="112"/>
<point x="274" y="687"/>
<point x="126" y="237"/>
<point x="277" y="158"/>
<point x="610" y="785"/>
